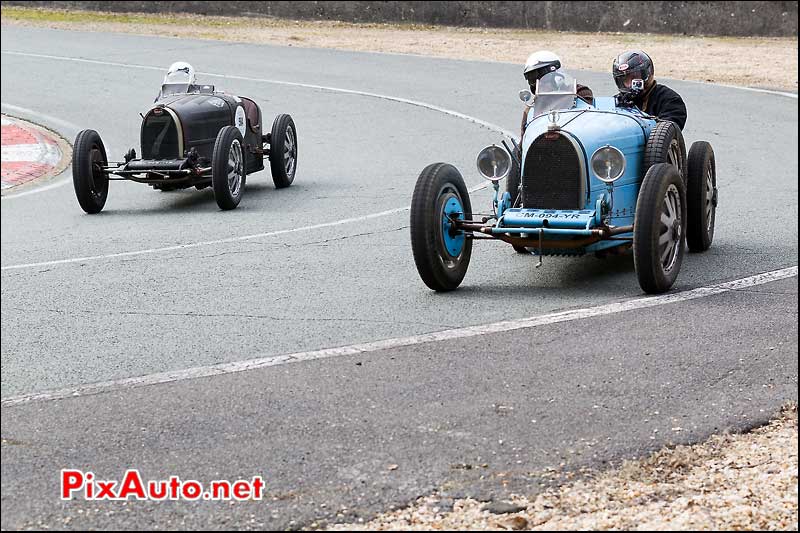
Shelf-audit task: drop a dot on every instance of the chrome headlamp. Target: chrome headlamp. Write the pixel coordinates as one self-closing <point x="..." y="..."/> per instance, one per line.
<point x="494" y="163"/>
<point x="608" y="164"/>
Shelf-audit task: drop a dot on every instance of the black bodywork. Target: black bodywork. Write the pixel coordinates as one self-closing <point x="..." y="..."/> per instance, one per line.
<point x="178" y="135"/>
<point x="199" y="138"/>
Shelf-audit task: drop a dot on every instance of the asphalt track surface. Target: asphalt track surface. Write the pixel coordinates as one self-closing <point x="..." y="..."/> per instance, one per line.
<point x="327" y="263"/>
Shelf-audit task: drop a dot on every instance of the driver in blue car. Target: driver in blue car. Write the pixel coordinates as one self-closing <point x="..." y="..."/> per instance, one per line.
<point x="541" y="63"/>
<point x="633" y="74"/>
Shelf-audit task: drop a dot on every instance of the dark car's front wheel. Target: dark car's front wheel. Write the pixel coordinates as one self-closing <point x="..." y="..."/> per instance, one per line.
<point x="283" y="151"/>
<point x="228" y="168"/>
<point x="659" y="228"/>
<point x="441" y="252"/>
<point x="701" y="193"/>
<point x="88" y="177"/>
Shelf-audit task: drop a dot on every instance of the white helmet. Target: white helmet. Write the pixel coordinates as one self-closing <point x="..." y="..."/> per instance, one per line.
<point x="178" y="80"/>
<point x="180" y="72"/>
<point x="540" y="63"/>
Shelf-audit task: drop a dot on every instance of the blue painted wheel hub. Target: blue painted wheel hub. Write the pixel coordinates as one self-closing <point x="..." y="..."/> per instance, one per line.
<point x="453" y="240"/>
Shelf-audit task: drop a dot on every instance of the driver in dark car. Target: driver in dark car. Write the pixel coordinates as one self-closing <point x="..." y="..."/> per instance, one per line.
<point x="180" y="78"/>
<point x="633" y="74"/>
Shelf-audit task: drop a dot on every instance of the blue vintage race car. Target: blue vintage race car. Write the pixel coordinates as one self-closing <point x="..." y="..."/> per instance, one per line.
<point x="588" y="177"/>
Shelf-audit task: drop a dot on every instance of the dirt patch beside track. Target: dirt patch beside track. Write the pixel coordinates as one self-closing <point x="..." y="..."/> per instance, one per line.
<point x="731" y="482"/>
<point x="751" y="62"/>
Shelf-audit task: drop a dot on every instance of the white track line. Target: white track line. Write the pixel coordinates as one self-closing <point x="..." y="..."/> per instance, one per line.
<point x="30" y="115"/>
<point x="751" y="89"/>
<point x="456" y="114"/>
<point x="205" y="243"/>
<point x="10" y="109"/>
<point x="369" y="347"/>
<point x="408" y="101"/>
<point x="158" y="68"/>
<point x="219" y="241"/>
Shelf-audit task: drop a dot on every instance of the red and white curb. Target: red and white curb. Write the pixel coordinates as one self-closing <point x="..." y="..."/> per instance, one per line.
<point x="29" y="152"/>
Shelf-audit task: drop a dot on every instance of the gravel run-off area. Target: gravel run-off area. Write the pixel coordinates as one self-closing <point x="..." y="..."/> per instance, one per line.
<point x="730" y="482"/>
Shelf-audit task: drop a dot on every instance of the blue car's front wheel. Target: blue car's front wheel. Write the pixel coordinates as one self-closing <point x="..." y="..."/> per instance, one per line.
<point x="659" y="228"/>
<point x="441" y="252"/>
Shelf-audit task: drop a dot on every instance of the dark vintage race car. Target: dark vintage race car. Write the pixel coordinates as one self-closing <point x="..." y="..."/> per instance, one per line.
<point x="588" y="177"/>
<point x="193" y="136"/>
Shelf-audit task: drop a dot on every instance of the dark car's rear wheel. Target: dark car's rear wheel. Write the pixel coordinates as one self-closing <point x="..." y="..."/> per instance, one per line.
<point x="658" y="230"/>
<point x="441" y="253"/>
<point x="701" y="196"/>
<point x="88" y="177"/>
<point x="228" y="168"/>
<point x="283" y="151"/>
<point x="666" y="145"/>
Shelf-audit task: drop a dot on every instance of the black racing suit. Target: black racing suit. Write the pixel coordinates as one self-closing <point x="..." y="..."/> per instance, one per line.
<point x="664" y="103"/>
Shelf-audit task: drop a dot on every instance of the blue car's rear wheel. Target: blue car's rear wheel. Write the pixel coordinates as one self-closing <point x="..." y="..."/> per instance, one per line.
<point x="441" y="252"/>
<point x="659" y="228"/>
<point x="666" y="145"/>
<point x="701" y="196"/>
<point x="88" y="177"/>
<point x="228" y="168"/>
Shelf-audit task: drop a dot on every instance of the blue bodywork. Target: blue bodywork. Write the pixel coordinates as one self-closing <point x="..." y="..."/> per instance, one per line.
<point x="605" y="206"/>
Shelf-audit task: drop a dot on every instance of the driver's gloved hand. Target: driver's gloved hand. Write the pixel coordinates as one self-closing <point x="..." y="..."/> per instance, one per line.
<point x="623" y="100"/>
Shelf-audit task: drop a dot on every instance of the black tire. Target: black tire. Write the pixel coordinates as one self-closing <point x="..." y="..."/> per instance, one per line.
<point x="228" y="168"/>
<point x="436" y="186"/>
<point x="666" y="145"/>
<point x="701" y="196"/>
<point x="90" y="182"/>
<point x="658" y="245"/>
<point x="283" y="151"/>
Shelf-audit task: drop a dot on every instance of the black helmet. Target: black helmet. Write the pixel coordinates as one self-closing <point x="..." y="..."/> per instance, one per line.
<point x="633" y="72"/>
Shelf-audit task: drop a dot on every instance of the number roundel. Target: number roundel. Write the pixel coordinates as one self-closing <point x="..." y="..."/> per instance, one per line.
<point x="240" y="120"/>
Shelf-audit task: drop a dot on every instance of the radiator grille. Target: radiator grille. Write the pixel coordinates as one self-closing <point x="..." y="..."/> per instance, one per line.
<point x="552" y="176"/>
<point x="160" y="137"/>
